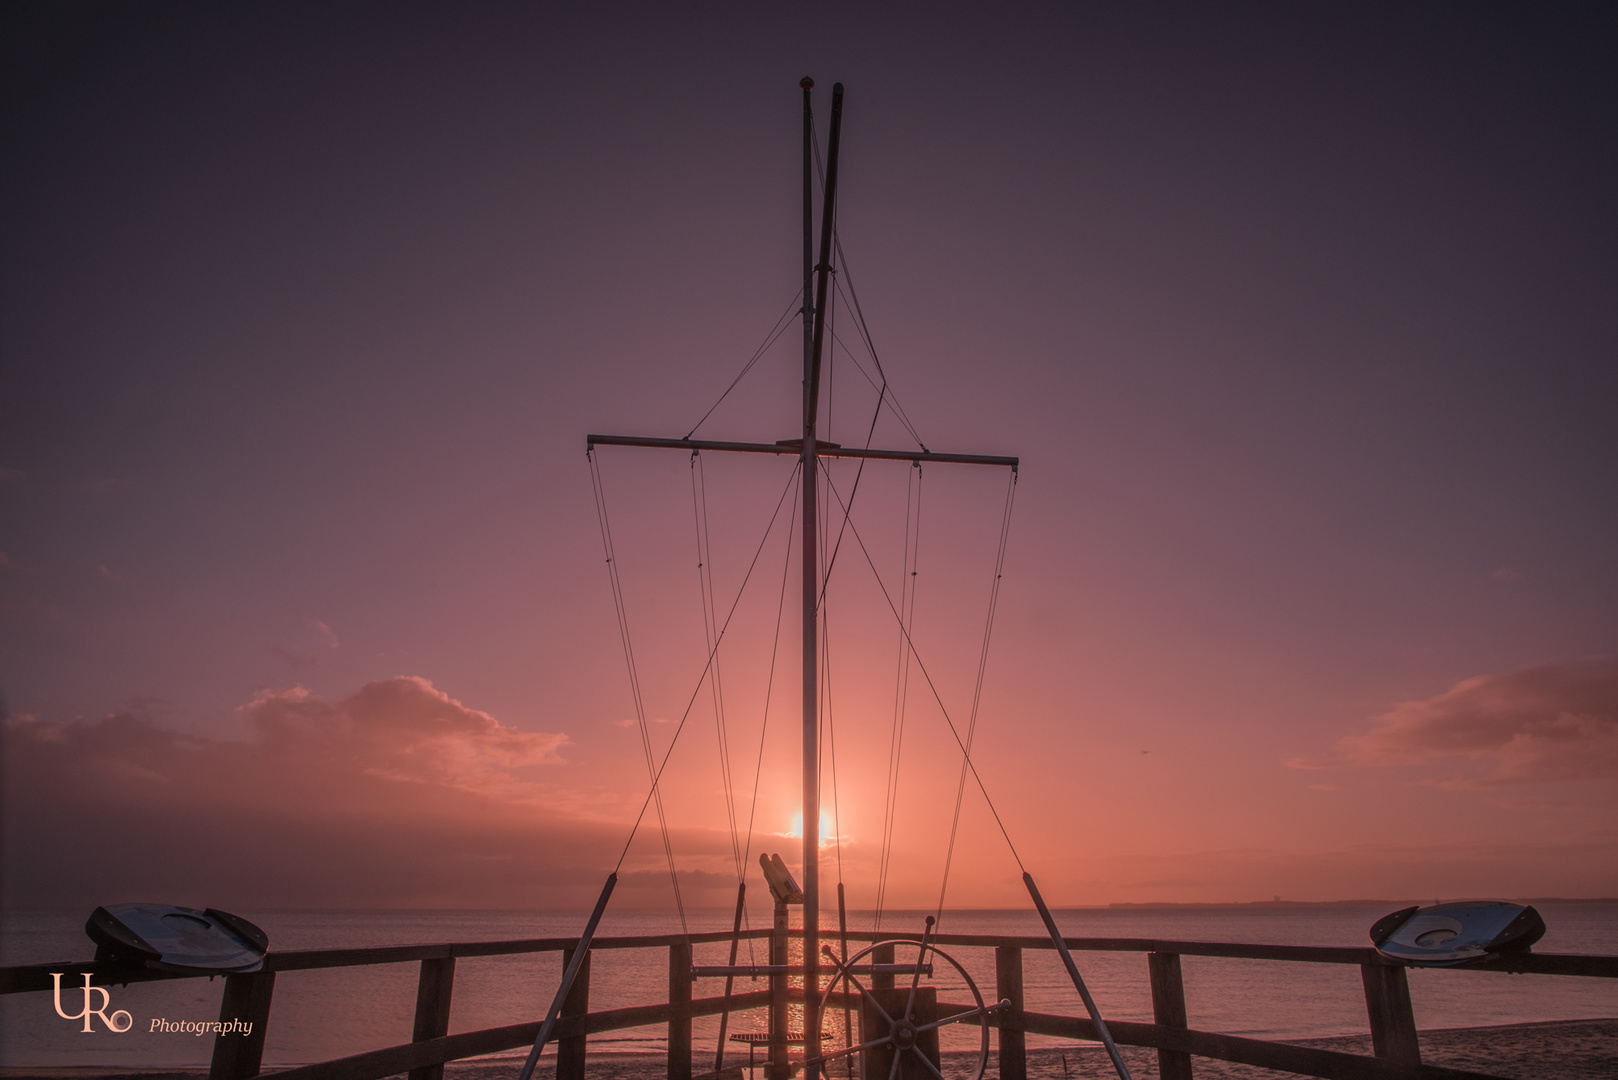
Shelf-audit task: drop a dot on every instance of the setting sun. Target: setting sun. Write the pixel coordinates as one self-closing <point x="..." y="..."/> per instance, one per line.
<point x="827" y="837"/>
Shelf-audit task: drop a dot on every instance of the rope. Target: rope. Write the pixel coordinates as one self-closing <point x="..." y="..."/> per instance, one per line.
<point x="841" y="262"/>
<point x="977" y="692"/>
<point x="699" y="513"/>
<point x="769" y="687"/>
<point x="932" y="686"/>
<point x="634" y="685"/>
<point x="901" y="689"/>
<point x="769" y="339"/>
<point x="698" y="688"/>
<point x="870" y="346"/>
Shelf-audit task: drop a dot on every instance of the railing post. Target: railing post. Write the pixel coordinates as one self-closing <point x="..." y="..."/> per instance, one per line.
<point x="433" y="991"/>
<point x="1393" y="1022"/>
<point x="247" y="999"/>
<point x="570" y="1048"/>
<point x="1168" y="1010"/>
<point x="1008" y="985"/>
<point x="680" y="1010"/>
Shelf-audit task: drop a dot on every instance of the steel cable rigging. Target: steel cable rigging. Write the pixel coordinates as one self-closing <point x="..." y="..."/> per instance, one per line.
<point x="653" y="795"/>
<point x="901" y="691"/>
<point x="932" y="686"/>
<point x="977" y="690"/>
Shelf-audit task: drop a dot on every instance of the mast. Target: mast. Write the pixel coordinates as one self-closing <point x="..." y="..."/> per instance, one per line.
<point x="816" y="301"/>
<point x="811" y="583"/>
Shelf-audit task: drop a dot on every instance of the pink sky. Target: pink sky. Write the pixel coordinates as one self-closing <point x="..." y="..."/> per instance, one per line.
<point x="1304" y="339"/>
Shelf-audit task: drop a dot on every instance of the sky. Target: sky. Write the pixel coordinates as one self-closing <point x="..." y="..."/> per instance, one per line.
<point x="1301" y="320"/>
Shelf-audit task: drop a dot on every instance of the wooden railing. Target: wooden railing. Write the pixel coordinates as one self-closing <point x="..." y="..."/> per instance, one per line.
<point x="1397" y="1054"/>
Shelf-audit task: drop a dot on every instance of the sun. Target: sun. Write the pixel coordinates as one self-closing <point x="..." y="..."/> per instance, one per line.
<point x="828" y="837"/>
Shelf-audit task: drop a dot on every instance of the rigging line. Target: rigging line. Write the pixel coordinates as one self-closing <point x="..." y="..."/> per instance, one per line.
<point x="977" y="692"/>
<point x="831" y="741"/>
<point x="769" y="686"/>
<point x="909" y="567"/>
<point x="853" y="298"/>
<point x="831" y="366"/>
<point x="859" y="473"/>
<point x="932" y="686"/>
<point x="686" y="715"/>
<point x="846" y="272"/>
<point x="884" y="392"/>
<point x="859" y="314"/>
<point x="911" y="564"/>
<point x="711" y="614"/>
<point x="774" y="335"/>
<point x="699" y="511"/>
<point x="598" y="488"/>
<point x="828" y="723"/>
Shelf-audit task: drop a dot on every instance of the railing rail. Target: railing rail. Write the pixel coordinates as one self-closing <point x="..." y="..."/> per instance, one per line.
<point x="1390" y="1016"/>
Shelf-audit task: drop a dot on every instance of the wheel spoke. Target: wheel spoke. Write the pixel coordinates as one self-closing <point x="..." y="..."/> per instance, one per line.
<point x="957" y="1018"/>
<point x="852" y="1050"/>
<point x="925" y="1060"/>
<point x="893" y="1071"/>
<point x="843" y="972"/>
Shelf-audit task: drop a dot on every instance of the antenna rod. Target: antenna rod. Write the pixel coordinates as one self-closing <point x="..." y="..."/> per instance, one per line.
<point x="811" y="617"/>
<point x="828" y="213"/>
<point x="808" y="309"/>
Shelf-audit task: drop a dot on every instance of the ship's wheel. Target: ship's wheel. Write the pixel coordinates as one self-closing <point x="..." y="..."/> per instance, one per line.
<point x="902" y="1032"/>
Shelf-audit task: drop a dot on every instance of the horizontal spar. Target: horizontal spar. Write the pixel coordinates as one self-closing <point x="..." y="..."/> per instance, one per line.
<point x="795" y="447"/>
<point x="762" y="970"/>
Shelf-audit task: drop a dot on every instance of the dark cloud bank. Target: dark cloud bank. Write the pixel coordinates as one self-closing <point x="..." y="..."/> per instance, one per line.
<point x="396" y="796"/>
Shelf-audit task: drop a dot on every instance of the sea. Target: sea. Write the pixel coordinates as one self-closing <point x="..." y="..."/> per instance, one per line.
<point x="318" y="1015"/>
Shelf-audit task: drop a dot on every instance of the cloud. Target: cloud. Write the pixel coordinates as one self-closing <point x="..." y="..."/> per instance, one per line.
<point x="10" y="476"/>
<point x="108" y="575"/>
<point x="403" y="729"/>
<point x="328" y="637"/>
<point x="395" y="796"/>
<point x="1507" y="574"/>
<point x="1539" y="724"/>
<point x="6" y="562"/>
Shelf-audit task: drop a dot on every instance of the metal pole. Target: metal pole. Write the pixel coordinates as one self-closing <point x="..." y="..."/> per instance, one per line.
<point x="580" y="951"/>
<point x="811" y="387"/>
<point x="730" y="980"/>
<point x="1073" y="973"/>
<point x="811" y="621"/>
<point x="842" y="926"/>
<point x="808" y="84"/>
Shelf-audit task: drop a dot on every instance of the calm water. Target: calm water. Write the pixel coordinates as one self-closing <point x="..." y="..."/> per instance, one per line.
<point x="324" y="1014"/>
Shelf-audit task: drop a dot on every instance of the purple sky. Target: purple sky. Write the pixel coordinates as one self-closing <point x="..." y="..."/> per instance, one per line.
<point x="1303" y="321"/>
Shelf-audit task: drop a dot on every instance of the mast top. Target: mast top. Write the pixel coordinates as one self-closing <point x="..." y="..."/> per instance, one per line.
<point x="807" y="83"/>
